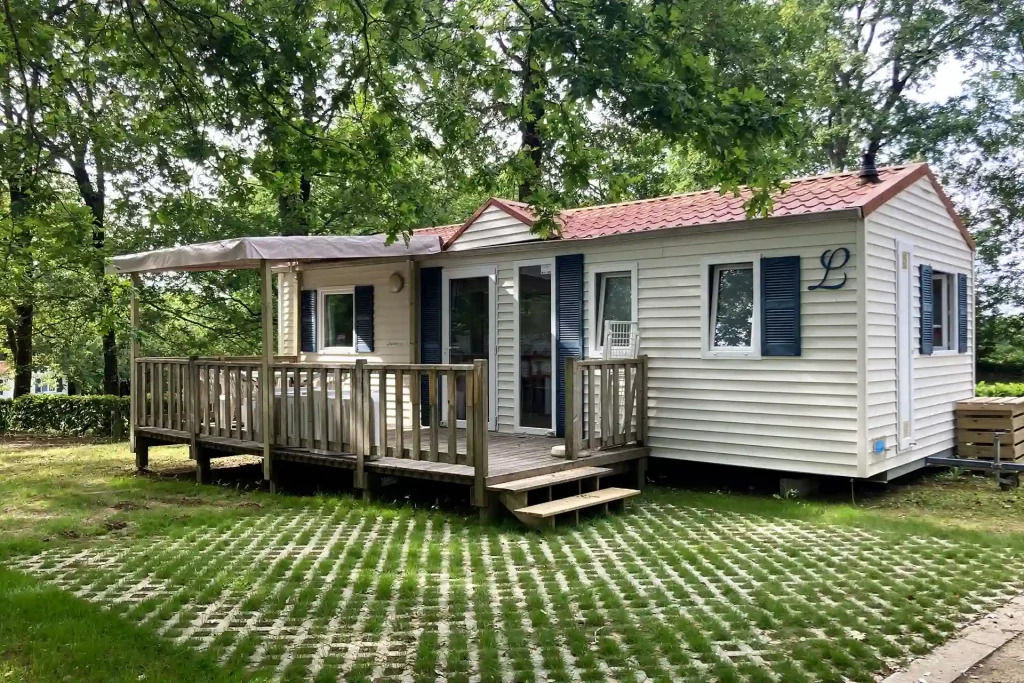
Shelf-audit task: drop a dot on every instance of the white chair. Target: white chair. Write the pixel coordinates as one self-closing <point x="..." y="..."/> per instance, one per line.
<point x="621" y="339"/>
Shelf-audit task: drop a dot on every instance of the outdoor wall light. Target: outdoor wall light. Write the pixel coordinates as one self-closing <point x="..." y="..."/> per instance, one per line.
<point x="396" y="282"/>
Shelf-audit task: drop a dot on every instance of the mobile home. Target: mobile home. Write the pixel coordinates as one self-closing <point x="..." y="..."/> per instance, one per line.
<point x="832" y="338"/>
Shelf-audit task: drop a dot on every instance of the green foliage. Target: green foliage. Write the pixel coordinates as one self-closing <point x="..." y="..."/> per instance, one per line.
<point x="1000" y="389"/>
<point x="132" y="126"/>
<point x="65" y="415"/>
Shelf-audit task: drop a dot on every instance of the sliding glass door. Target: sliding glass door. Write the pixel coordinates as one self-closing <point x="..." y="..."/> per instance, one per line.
<point x="535" y="380"/>
<point x="468" y="326"/>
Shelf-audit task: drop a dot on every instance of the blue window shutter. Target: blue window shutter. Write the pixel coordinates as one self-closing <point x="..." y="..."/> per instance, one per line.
<point x="961" y="312"/>
<point x="364" y="318"/>
<point x="927" y="311"/>
<point x="780" y="306"/>
<point x="568" y="325"/>
<point x="430" y="331"/>
<point x="308" y="325"/>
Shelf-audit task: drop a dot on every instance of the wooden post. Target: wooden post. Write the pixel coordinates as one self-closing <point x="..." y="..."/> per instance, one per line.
<point x="191" y="407"/>
<point x="136" y="386"/>
<point x="571" y="410"/>
<point x="359" y="421"/>
<point x="266" y="390"/>
<point x="471" y="419"/>
<point x="202" y="466"/>
<point x="480" y="382"/>
<point x="641" y="403"/>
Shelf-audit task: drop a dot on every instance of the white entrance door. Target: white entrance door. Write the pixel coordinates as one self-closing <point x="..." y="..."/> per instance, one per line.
<point x="468" y="329"/>
<point x="905" y="345"/>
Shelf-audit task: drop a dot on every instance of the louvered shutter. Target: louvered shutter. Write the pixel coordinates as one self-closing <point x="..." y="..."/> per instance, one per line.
<point x="961" y="312"/>
<point x="307" y="331"/>
<point x="568" y="325"/>
<point x="364" y="318"/>
<point x="927" y="310"/>
<point x="780" y="306"/>
<point x="430" y="331"/>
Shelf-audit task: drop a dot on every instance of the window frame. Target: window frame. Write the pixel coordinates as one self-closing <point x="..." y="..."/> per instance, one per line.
<point x="322" y="321"/>
<point x="949" y="306"/>
<point x="595" y="303"/>
<point x="709" y="301"/>
<point x="554" y="346"/>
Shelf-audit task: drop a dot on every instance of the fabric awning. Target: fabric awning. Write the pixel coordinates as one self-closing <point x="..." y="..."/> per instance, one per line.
<point x="249" y="252"/>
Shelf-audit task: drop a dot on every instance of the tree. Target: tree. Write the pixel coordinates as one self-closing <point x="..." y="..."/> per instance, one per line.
<point x="869" y="59"/>
<point x="95" y="111"/>
<point x="579" y="100"/>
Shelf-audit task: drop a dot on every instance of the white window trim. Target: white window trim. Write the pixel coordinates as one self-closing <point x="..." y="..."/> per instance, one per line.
<point x="951" y="318"/>
<point x="708" y="297"/>
<point x="594" y="344"/>
<point x="554" y="360"/>
<point x="321" y="308"/>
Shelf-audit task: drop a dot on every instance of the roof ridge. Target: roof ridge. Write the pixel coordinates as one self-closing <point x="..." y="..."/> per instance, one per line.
<point x="742" y="188"/>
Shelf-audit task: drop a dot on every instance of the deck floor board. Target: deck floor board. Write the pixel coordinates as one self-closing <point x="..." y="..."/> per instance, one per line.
<point x="510" y="456"/>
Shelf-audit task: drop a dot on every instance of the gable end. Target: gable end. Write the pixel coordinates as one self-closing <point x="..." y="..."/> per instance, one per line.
<point x="915" y="173"/>
<point x="518" y="228"/>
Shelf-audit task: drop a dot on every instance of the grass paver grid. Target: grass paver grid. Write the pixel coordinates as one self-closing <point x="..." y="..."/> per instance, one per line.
<point x="664" y="593"/>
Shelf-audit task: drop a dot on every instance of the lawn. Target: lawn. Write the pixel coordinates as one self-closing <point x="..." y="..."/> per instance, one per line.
<point x="112" y="576"/>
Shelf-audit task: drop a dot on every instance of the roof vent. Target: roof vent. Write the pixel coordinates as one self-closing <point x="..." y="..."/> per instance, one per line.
<point x="868" y="172"/>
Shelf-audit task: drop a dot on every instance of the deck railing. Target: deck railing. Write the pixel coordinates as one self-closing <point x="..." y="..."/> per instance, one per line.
<point x="435" y="413"/>
<point x="605" y="404"/>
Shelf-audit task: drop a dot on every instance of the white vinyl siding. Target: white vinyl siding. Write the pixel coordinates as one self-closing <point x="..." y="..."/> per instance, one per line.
<point x="796" y="413"/>
<point x="390" y="311"/>
<point x="505" y="321"/>
<point x="918" y="217"/>
<point x="391" y="324"/>
<point x="287" y="314"/>
<point x="493" y="227"/>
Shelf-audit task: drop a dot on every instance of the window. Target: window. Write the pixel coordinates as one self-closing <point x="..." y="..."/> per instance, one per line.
<point x="731" y="307"/>
<point x="944" y="328"/>
<point x="613" y="299"/>
<point x="338" y="319"/>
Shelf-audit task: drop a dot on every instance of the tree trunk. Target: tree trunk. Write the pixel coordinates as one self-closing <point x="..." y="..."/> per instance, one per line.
<point x="94" y="198"/>
<point x="531" y="138"/>
<point x="22" y="350"/>
<point x="19" y="333"/>
<point x="292" y="209"/>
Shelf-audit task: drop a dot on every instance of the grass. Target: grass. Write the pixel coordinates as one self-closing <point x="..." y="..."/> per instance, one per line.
<point x="112" y="576"/>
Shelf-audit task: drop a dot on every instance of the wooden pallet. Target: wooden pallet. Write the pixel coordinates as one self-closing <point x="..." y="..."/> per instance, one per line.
<point x="977" y="420"/>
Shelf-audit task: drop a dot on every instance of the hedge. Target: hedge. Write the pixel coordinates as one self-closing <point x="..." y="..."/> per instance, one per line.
<point x="67" y="415"/>
<point x="1000" y="388"/>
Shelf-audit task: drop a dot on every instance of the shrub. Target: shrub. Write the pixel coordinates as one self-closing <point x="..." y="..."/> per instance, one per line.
<point x="67" y="415"/>
<point x="1000" y="389"/>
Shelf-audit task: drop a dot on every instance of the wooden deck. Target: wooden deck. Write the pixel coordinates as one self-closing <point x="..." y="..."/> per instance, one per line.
<point x="511" y="456"/>
<point x="385" y="422"/>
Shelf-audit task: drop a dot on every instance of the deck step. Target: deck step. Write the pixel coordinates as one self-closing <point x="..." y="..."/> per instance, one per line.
<point x="543" y="511"/>
<point x="553" y="479"/>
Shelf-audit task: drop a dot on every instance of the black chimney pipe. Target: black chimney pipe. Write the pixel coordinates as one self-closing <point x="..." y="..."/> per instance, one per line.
<point x="868" y="172"/>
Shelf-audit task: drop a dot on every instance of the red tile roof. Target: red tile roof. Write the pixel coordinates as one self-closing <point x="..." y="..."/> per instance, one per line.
<point x="444" y="231"/>
<point x="815" y="195"/>
<point x="802" y="196"/>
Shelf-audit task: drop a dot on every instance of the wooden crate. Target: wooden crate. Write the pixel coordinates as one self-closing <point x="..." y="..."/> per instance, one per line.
<point x="976" y="418"/>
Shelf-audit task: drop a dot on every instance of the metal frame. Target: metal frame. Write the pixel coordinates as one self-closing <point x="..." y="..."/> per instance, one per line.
<point x="554" y="368"/>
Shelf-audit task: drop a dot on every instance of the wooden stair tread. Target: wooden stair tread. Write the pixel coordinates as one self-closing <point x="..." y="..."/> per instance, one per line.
<point x="545" y="480"/>
<point x="578" y="502"/>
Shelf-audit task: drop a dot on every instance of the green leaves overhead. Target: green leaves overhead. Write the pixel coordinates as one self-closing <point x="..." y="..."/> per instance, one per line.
<point x="138" y="124"/>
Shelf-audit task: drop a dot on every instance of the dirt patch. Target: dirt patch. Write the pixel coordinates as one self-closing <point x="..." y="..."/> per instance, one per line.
<point x="24" y="442"/>
<point x="1005" y="665"/>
